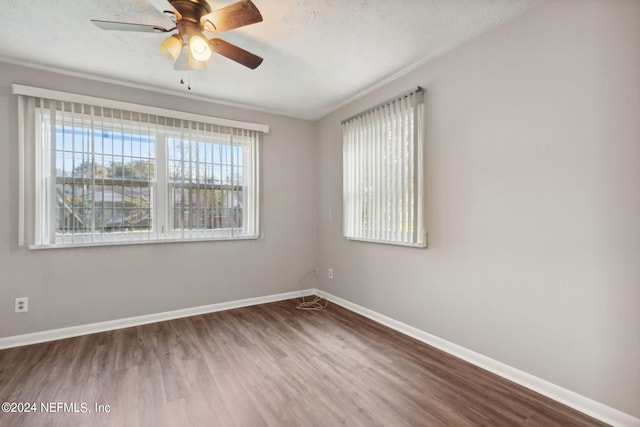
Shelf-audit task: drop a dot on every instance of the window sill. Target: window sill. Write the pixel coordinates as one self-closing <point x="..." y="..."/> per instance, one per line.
<point x="139" y="242"/>
<point x="390" y="243"/>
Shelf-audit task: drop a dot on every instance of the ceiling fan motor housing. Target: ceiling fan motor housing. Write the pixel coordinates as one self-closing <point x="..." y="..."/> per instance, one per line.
<point x="190" y="12"/>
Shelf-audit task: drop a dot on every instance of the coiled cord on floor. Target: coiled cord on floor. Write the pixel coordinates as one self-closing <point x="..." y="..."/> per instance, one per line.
<point x="317" y="303"/>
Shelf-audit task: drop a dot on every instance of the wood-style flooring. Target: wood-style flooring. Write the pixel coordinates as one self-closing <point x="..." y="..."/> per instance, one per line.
<point x="266" y="365"/>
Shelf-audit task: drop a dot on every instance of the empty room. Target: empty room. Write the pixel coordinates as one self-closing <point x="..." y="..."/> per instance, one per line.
<point x="320" y="213"/>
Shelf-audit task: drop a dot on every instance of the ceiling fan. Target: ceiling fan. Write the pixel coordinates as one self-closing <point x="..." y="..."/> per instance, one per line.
<point x="189" y="48"/>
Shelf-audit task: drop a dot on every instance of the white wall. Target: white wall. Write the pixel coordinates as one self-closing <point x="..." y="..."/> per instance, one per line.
<point x="533" y="143"/>
<point x="69" y="287"/>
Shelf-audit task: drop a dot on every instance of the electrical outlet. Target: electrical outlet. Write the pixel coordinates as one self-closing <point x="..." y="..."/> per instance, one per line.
<point x="331" y="273"/>
<point x="22" y="305"/>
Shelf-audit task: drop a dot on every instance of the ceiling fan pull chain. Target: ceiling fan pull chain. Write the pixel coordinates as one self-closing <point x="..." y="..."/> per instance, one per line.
<point x="188" y="80"/>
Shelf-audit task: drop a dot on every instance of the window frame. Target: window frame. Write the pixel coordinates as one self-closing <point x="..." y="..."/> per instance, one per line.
<point x="34" y="199"/>
<point x="384" y="173"/>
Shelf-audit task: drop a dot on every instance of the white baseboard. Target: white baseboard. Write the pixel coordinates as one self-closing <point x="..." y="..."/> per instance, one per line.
<point x="574" y="400"/>
<point x="74" y="331"/>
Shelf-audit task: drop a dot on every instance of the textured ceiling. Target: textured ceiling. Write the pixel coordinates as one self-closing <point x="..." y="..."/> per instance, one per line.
<point x="317" y="54"/>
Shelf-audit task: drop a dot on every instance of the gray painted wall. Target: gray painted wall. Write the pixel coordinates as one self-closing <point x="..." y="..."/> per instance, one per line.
<point x="69" y="287"/>
<point x="533" y="145"/>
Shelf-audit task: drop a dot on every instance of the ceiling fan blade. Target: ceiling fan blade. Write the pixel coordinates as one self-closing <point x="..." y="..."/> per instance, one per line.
<point x="166" y="8"/>
<point x="235" y="15"/>
<point x="125" y="26"/>
<point x="235" y="53"/>
<point x="161" y="5"/>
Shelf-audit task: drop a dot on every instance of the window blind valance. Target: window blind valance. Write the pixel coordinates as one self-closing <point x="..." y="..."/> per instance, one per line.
<point x="37" y="92"/>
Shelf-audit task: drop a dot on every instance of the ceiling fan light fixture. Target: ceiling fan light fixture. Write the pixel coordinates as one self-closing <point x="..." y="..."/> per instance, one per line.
<point x="171" y="47"/>
<point x="195" y="64"/>
<point x="199" y="47"/>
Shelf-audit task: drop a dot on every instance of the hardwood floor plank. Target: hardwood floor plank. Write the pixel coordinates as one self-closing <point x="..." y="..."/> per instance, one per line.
<point x="150" y="393"/>
<point x="266" y="365"/>
<point x="237" y="400"/>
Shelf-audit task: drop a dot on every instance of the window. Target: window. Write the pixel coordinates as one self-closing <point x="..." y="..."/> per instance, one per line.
<point x="383" y="172"/>
<point x="103" y="174"/>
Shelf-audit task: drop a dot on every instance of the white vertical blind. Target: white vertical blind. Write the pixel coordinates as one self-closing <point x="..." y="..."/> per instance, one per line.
<point x="383" y="172"/>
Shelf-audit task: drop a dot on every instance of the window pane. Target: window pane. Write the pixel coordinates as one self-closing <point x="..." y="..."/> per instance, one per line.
<point x="97" y="192"/>
<point x="206" y="183"/>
